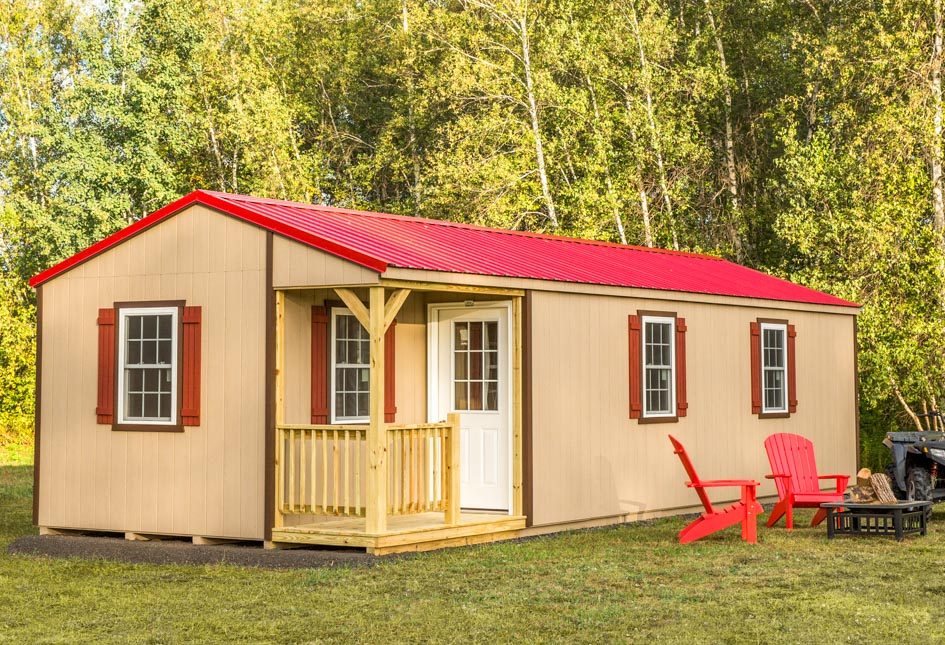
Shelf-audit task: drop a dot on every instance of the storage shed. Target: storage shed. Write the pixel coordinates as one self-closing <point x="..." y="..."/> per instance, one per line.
<point x="231" y="367"/>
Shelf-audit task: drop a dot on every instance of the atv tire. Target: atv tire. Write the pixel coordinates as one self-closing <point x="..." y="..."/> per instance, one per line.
<point x="891" y="473"/>
<point x="918" y="484"/>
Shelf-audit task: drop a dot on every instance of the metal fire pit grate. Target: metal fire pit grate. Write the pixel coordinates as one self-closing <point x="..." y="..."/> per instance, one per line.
<point x="893" y="520"/>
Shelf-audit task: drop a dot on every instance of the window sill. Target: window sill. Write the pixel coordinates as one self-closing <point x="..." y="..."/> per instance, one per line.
<point x="774" y="415"/>
<point x="146" y="427"/>
<point x="645" y="420"/>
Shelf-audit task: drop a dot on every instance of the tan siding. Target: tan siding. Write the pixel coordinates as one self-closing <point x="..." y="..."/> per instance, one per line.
<point x="591" y="460"/>
<point x="410" y="368"/>
<point x="296" y="265"/>
<point x="298" y="356"/>
<point x="207" y="480"/>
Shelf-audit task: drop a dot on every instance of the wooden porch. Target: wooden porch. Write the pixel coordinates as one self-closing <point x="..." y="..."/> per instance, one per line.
<point x="381" y="486"/>
<point x="421" y="532"/>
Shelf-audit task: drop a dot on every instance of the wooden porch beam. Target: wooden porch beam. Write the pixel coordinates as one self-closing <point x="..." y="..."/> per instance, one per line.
<point x="376" y="499"/>
<point x="394" y="303"/>
<point x="279" y="403"/>
<point x="517" y="393"/>
<point x="454" y="288"/>
<point x="452" y="514"/>
<point x="356" y="306"/>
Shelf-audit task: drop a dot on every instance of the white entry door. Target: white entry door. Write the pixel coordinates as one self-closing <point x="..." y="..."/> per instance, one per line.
<point x="470" y="348"/>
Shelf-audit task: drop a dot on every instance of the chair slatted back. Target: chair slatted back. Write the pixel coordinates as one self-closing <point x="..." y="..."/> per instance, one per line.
<point x="793" y="455"/>
<point x="693" y="477"/>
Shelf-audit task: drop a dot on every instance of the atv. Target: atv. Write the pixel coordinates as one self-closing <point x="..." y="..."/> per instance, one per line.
<point x="918" y="463"/>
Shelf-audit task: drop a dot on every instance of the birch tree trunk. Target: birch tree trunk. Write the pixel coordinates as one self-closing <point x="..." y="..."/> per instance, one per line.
<point x="734" y="219"/>
<point x="641" y="188"/>
<point x="651" y="121"/>
<point x="533" y="114"/>
<point x="611" y="195"/>
<point x="411" y="128"/>
<point x="937" y="199"/>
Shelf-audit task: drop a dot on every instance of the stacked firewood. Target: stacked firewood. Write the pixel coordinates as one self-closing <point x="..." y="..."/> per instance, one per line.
<point x="872" y="488"/>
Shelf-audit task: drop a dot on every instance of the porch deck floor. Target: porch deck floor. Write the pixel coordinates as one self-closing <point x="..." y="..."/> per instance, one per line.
<point x="416" y="532"/>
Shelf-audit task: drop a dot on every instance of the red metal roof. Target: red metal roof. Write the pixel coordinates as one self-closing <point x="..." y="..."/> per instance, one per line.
<point x="379" y="240"/>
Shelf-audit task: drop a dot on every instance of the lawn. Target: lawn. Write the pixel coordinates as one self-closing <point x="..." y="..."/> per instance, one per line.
<point x="630" y="583"/>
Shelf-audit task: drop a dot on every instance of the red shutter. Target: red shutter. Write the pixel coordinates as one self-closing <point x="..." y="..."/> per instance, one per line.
<point x="319" y="365"/>
<point x="190" y="367"/>
<point x="105" y="409"/>
<point x="390" y="401"/>
<point x="791" y="372"/>
<point x="755" y="368"/>
<point x="636" y="386"/>
<point x="681" y="404"/>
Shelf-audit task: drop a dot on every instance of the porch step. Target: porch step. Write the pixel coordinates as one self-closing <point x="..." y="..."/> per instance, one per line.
<point x="421" y="532"/>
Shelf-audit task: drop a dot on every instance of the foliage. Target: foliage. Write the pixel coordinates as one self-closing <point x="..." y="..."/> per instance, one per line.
<point x="799" y="138"/>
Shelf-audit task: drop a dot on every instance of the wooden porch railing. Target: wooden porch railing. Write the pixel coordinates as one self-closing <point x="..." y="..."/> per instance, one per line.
<point x="419" y="472"/>
<point x="322" y="469"/>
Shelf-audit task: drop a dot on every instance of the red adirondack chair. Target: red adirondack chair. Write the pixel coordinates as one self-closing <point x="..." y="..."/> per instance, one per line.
<point x="794" y="471"/>
<point x="744" y="511"/>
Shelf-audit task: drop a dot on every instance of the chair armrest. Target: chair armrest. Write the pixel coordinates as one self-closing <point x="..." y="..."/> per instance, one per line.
<point x="841" y="481"/>
<point x="716" y="483"/>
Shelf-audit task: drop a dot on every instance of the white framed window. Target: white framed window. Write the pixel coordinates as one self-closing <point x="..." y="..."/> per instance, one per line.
<point x="350" y="368"/>
<point x="147" y="365"/>
<point x="659" y="366"/>
<point x="774" y="375"/>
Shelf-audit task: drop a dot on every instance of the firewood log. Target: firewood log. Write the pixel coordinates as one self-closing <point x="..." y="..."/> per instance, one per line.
<point x="883" y="488"/>
<point x="863" y="478"/>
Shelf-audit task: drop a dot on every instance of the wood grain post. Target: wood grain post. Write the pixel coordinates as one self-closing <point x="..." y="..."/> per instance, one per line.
<point x="376" y="511"/>
<point x="279" y="406"/>
<point x="452" y="514"/>
<point x="517" y="342"/>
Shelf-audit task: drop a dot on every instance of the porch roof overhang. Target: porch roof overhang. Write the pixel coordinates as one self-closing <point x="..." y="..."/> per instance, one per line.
<point x="378" y="241"/>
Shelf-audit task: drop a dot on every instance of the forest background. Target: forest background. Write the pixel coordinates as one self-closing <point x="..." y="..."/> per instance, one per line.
<point x="802" y="138"/>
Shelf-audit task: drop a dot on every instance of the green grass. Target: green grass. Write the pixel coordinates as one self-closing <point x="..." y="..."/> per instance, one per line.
<point x="631" y="583"/>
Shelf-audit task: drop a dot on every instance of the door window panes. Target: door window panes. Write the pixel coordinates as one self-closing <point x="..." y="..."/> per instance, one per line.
<point x="476" y="365"/>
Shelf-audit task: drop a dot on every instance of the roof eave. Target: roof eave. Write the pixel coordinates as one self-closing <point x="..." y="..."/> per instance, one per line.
<point x="218" y="204"/>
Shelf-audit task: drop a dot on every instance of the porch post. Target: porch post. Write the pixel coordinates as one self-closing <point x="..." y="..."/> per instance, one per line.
<point x="376" y="507"/>
<point x="279" y="406"/>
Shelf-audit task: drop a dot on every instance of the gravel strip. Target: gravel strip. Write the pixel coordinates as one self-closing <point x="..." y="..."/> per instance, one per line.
<point x="182" y="552"/>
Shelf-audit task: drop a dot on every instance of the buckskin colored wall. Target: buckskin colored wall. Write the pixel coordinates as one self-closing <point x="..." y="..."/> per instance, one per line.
<point x="591" y="460"/>
<point x="207" y="480"/>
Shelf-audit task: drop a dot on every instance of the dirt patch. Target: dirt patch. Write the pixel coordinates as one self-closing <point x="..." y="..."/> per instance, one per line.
<point x="180" y="552"/>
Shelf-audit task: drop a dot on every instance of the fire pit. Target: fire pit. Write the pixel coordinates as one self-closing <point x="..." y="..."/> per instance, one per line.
<point x="895" y="520"/>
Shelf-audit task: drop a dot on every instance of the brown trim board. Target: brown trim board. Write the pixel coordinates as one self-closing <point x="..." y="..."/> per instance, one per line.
<point x="856" y="390"/>
<point x="269" y="496"/>
<point x="37" y="402"/>
<point x="528" y="467"/>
